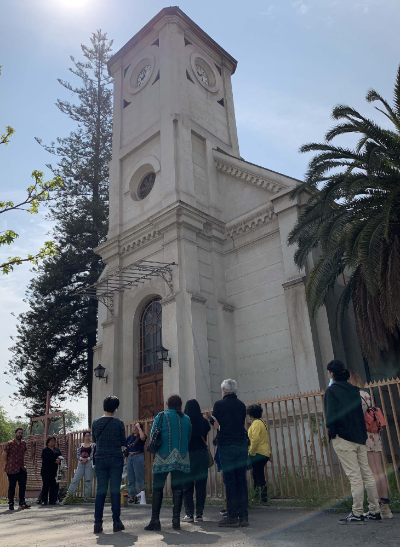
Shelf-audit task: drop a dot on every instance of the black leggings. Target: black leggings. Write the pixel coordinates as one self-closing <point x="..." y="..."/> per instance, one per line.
<point x="50" y="489"/>
<point x="177" y="478"/>
<point x="258" y="463"/>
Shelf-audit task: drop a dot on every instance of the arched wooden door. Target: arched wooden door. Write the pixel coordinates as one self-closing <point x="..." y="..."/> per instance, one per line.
<point x="150" y="379"/>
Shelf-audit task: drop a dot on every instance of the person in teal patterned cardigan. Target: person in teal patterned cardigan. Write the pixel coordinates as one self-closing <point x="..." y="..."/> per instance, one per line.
<point x="172" y="457"/>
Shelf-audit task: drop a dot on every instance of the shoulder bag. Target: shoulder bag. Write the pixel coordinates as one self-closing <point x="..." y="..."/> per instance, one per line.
<point x="155" y="439"/>
<point x="97" y="438"/>
<point x="126" y="451"/>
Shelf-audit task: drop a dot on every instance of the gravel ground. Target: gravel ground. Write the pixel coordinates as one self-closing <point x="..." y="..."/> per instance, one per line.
<point x="72" y="526"/>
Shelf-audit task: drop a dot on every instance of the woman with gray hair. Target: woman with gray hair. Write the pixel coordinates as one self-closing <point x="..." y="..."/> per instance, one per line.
<point x="228" y="417"/>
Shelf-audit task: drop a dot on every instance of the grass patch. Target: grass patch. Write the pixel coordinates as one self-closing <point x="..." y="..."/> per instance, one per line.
<point x="73" y="500"/>
<point x="324" y="499"/>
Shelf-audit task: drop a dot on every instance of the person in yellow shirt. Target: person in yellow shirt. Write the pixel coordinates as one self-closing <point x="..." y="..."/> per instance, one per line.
<point x="259" y="449"/>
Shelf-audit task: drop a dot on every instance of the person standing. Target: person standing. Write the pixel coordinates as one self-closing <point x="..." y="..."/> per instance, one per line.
<point x="198" y="454"/>
<point x="259" y="449"/>
<point x="85" y="469"/>
<point x="135" y="464"/>
<point x="109" y="435"/>
<point x="50" y="460"/>
<point x="374" y="450"/>
<point x="14" y="458"/>
<point x="348" y="434"/>
<point x="172" y="457"/>
<point x="228" y="417"/>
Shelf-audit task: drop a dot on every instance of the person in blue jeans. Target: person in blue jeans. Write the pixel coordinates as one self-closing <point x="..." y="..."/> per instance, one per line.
<point x="109" y="435"/>
<point x="135" y="464"/>
<point x="228" y="417"/>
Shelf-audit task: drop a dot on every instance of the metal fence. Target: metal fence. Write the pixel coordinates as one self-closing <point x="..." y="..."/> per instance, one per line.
<point x="302" y="458"/>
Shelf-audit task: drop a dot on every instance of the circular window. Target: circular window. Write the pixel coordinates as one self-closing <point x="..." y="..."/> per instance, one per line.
<point x="146" y="185"/>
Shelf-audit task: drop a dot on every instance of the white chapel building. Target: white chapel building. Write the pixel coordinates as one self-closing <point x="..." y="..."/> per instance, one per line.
<point x="196" y="256"/>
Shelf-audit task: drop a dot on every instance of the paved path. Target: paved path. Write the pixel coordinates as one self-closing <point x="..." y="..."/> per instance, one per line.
<point x="72" y="526"/>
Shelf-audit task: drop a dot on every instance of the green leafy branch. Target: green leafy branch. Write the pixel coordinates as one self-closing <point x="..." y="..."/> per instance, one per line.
<point x="49" y="249"/>
<point x="5" y="137"/>
<point x="38" y="192"/>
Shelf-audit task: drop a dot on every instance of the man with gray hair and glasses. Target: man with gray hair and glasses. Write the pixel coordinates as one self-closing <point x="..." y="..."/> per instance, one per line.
<point x="229" y="415"/>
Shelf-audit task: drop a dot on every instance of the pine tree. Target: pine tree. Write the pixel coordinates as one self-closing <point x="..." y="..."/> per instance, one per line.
<point x="54" y="346"/>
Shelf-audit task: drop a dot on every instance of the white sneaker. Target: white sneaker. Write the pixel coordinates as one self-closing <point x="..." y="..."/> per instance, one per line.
<point x="186" y="518"/>
<point x="142" y="497"/>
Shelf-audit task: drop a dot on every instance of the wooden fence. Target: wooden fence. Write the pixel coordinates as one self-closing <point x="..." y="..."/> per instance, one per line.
<point x="302" y="458"/>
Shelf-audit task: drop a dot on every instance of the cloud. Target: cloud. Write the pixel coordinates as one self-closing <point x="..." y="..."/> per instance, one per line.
<point x="300" y="7"/>
<point x="364" y="7"/>
<point x="275" y="117"/>
<point x="269" y="11"/>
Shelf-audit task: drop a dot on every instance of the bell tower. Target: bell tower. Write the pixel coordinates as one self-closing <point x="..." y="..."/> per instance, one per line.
<point x="173" y="105"/>
<point x="173" y="112"/>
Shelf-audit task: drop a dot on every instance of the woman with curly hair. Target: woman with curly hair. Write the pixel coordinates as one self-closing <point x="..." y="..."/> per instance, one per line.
<point x="259" y="449"/>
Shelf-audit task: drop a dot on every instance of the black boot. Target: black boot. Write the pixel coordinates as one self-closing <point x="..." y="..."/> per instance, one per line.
<point x="264" y="495"/>
<point x="156" y="502"/>
<point x="177" y="496"/>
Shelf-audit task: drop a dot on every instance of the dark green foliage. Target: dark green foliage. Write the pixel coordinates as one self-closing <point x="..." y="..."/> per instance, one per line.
<point x="53" y="349"/>
<point x="352" y="218"/>
<point x="8" y="426"/>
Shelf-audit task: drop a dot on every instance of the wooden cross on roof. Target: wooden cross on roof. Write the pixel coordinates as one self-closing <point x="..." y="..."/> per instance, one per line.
<point x="47" y="417"/>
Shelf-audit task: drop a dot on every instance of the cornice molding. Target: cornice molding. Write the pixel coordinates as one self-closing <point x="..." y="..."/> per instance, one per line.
<point x="294" y="282"/>
<point x="249" y="177"/>
<point x="227" y="307"/>
<point x="196" y="297"/>
<point x="169" y="299"/>
<point x="108" y="323"/>
<point x="255" y="219"/>
<point x="170" y="19"/>
<point x="141" y="240"/>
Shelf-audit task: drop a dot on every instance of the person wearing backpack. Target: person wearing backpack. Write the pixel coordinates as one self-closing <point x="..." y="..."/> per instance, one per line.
<point x="374" y="424"/>
<point x="348" y="435"/>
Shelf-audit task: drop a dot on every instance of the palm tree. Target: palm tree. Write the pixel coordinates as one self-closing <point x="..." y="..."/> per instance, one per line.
<point x="352" y="218"/>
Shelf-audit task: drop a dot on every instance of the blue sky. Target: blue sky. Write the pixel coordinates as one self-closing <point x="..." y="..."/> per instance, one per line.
<point x="296" y="60"/>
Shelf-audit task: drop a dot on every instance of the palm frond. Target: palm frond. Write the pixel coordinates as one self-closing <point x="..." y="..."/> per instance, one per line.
<point x="353" y="217"/>
<point x="321" y="279"/>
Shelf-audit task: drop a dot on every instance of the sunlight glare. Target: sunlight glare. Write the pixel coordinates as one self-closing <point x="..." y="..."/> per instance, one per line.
<point x="73" y="4"/>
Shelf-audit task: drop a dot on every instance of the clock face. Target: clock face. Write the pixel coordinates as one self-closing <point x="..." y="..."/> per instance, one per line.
<point x="143" y="75"/>
<point x="201" y="73"/>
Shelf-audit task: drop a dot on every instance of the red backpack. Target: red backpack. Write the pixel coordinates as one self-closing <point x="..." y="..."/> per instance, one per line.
<point x="374" y="419"/>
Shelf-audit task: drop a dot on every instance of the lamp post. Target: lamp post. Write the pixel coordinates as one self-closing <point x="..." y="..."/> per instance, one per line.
<point x="99" y="373"/>
<point x="162" y="355"/>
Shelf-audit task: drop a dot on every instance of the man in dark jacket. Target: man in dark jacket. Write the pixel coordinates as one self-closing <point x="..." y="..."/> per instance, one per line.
<point x="347" y="431"/>
<point x="229" y="416"/>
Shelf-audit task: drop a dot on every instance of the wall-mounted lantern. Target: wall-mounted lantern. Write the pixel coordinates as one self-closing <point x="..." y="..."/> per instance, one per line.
<point x="162" y="355"/>
<point x="99" y="372"/>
